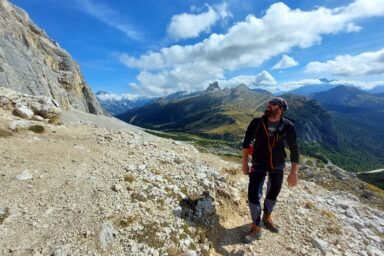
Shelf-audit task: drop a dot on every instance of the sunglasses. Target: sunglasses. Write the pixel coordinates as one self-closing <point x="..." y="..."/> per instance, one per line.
<point x="273" y="103"/>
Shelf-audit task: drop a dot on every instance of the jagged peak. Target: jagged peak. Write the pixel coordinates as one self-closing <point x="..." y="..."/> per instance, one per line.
<point x="213" y="87"/>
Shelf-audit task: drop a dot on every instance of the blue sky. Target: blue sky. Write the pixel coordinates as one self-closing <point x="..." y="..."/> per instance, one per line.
<point x="151" y="47"/>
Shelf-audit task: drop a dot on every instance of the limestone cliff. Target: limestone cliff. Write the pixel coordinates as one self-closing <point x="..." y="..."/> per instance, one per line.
<point x="32" y="63"/>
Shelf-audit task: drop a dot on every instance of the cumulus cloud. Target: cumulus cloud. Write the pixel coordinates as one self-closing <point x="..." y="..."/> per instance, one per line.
<point x="187" y="25"/>
<point x="261" y="79"/>
<point x="360" y="84"/>
<point x="285" y="62"/>
<point x="367" y="63"/>
<point x="248" y="43"/>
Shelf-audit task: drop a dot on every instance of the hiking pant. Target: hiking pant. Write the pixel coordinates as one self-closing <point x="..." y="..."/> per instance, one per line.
<point x="255" y="191"/>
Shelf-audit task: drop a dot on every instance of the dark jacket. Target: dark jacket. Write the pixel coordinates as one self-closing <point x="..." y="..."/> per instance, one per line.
<point x="271" y="153"/>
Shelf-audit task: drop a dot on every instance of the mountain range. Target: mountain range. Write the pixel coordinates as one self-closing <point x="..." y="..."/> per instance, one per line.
<point x="337" y="125"/>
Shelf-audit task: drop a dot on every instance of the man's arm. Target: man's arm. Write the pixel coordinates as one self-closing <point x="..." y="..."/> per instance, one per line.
<point x="245" y="161"/>
<point x="249" y="134"/>
<point x="293" y="176"/>
<point x="294" y="156"/>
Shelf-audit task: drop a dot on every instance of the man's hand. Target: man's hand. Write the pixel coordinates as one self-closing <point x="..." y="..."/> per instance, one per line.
<point x="245" y="161"/>
<point x="293" y="175"/>
<point x="245" y="168"/>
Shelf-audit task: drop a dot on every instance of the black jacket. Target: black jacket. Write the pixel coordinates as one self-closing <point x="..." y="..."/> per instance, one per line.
<point x="271" y="153"/>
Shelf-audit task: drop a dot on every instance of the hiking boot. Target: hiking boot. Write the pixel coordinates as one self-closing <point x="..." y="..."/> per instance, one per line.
<point x="253" y="234"/>
<point x="268" y="223"/>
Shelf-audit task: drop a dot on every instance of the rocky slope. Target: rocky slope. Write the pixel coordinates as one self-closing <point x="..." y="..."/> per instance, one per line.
<point x="79" y="188"/>
<point x="32" y="63"/>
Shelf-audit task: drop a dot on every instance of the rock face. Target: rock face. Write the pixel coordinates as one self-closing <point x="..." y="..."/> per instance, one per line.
<point x="32" y="63"/>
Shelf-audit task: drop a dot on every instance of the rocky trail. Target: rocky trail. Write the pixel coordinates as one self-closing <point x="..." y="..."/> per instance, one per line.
<point x="95" y="186"/>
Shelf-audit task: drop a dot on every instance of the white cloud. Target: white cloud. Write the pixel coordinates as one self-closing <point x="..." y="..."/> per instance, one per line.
<point x="261" y="79"/>
<point x="109" y="16"/>
<point x="285" y="62"/>
<point x="291" y="85"/>
<point x="246" y="44"/>
<point x="117" y="97"/>
<point x="360" y="84"/>
<point x="367" y="63"/>
<point x="186" y="25"/>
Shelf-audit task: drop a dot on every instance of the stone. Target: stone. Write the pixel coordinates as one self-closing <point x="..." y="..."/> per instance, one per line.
<point x="25" y="175"/>
<point x="18" y="125"/>
<point x="117" y="187"/>
<point x="23" y="111"/>
<point x="4" y="213"/>
<point x="106" y="235"/>
<point x="62" y="251"/>
<point x="320" y="244"/>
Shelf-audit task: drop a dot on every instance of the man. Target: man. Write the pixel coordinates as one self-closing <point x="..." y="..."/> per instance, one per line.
<point x="269" y="133"/>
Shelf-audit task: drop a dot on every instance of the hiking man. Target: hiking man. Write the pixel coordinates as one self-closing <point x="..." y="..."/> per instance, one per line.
<point x="269" y="133"/>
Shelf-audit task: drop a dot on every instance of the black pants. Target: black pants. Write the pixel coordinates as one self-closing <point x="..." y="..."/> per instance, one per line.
<point x="255" y="191"/>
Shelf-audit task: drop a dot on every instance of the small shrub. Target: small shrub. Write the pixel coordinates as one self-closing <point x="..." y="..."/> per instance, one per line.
<point x="37" y="128"/>
<point x="129" y="178"/>
<point x="5" y="133"/>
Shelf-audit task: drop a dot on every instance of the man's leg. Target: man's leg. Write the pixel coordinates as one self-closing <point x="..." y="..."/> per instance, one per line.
<point x="255" y="190"/>
<point x="275" y="182"/>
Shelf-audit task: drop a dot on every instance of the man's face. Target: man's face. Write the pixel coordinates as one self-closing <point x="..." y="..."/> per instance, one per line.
<point x="272" y="109"/>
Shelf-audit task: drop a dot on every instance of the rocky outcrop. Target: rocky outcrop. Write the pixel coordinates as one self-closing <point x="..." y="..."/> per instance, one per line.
<point x="32" y="63"/>
<point x="29" y="106"/>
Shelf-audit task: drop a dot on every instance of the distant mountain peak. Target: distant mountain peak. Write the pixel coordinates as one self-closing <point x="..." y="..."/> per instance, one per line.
<point x="325" y="80"/>
<point x="241" y="87"/>
<point x="101" y="93"/>
<point x="213" y="87"/>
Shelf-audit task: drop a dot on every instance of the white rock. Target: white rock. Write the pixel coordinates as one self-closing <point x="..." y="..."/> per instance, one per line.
<point x="320" y="244"/>
<point x="62" y="251"/>
<point x="106" y="234"/>
<point x="38" y="118"/>
<point x="190" y="253"/>
<point x="19" y="125"/>
<point x="25" y="175"/>
<point x="23" y="111"/>
<point x="117" y="187"/>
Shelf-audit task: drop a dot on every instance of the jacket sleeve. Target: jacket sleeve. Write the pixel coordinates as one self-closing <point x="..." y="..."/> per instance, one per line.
<point x="291" y="139"/>
<point x="249" y="134"/>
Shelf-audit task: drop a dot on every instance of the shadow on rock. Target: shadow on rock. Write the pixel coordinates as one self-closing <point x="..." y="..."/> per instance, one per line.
<point x="200" y="212"/>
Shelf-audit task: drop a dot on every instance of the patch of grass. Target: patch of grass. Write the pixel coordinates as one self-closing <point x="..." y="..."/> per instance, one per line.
<point x="328" y="214"/>
<point x="55" y="120"/>
<point x="148" y="236"/>
<point x="37" y="128"/>
<point x="138" y="197"/>
<point x="334" y="227"/>
<point x="375" y="189"/>
<point x="129" y="178"/>
<point x="5" y="133"/>
<point x="379" y="234"/>
<point x="126" y="221"/>
<point x="174" y="251"/>
<point x="309" y="205"/>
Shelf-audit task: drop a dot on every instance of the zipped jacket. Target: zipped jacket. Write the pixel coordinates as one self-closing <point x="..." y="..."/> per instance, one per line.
<point x="267" y="152"/>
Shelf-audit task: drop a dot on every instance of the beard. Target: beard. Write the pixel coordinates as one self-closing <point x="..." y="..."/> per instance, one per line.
<point x="271" y="113"/>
